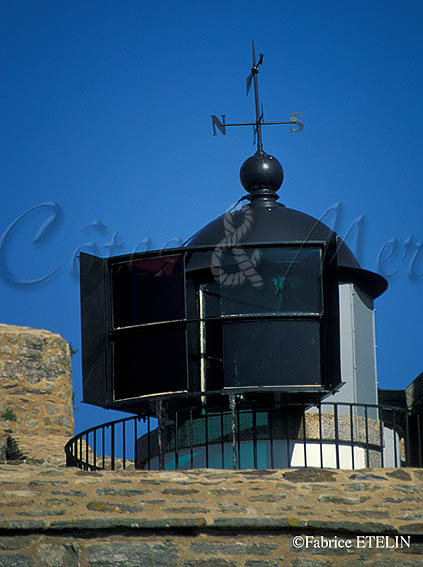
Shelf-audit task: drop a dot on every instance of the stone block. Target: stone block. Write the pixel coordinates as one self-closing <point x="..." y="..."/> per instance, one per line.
<point x="310" y="475"/>
<point x="8" y="543"/>
<point x="52" y="555"/>
<point x="209" y="563"/>
<point x="232" y="547"/>
<point x="16" y="561"/>
<point x="127" y="554"/>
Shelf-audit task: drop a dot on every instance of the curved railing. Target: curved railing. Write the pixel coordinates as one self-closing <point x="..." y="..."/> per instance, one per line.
<point x="237" y="434"/>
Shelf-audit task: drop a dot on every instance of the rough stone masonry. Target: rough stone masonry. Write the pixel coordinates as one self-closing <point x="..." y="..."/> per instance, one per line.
<point x="36" y="414"/>
<point x="57" y="517"/>
<point x="51" y="516"/>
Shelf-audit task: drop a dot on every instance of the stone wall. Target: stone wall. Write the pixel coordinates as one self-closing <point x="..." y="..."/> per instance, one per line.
<point x="36" y="414"/>
<point x="52" y="516"/>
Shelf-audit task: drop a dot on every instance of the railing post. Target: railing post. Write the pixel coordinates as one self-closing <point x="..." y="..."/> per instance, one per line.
<point x="176" y="430"/>
<point x="124" y="444"/>
<point x="135" y="442"/>
<point x="366" y="417"/>
<point x="222" y="438"/>
<point x="381" y="438"/>
<point x="232" y="406"/>
<point x="206" y="436"/>
<point x="191" y="440"/>
<point x="394" y="436"/>
<point x="407" y="440"/>
<point x="112" y="448"/>
<point x="160" y="417"/>
<point x="336" y="425"/>
<point x="305" y="437"/>
<point x="320" y="436"/>
<point x="255" y="438"/>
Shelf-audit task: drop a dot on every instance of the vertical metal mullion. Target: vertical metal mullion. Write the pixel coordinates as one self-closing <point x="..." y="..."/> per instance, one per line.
<point x="335" y="411"/>
<point x="202" y="338"/>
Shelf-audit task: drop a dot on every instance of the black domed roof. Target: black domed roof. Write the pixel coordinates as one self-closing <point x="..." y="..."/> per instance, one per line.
<point x="279" y="224"/>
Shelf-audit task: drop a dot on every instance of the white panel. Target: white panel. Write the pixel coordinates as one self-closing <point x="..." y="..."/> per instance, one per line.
<point x="358" y="349"/>
<point x="365" y="348"/>
<point x="286" y="455"/>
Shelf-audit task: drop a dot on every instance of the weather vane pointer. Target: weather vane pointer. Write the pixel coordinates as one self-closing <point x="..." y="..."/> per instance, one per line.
<point x="294" y="118"/>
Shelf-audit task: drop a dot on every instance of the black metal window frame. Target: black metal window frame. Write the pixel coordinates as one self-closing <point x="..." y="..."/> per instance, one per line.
<point x="171" y="252"/>
<point x="281" y="313"/>
<point x="327" y="256"/>
<point x="119" y="332"/>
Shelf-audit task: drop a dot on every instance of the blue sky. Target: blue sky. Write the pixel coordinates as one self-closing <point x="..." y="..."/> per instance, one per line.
<point x="107" y="140"/>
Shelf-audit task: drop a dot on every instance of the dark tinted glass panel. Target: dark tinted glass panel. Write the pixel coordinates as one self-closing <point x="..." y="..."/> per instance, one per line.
<point x="271" y="353"/>
<point x="150" y="362"/>
<point x="148" y="290"/>
<point x="95" y="348"/>
<point x="281" y="280"/>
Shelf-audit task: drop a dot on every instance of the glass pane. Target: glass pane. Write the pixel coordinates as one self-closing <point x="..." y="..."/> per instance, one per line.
<point x="148" y="290"/>
<point x="281" y="280"/>
<point x="272" y="353"/>
<point x="150" y="362"/>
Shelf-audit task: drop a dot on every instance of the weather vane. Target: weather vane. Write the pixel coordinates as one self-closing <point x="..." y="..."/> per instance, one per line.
<point x="253" y="76"/>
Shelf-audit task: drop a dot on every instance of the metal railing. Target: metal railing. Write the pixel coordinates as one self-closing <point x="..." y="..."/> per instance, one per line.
<point x="235" y="433"/>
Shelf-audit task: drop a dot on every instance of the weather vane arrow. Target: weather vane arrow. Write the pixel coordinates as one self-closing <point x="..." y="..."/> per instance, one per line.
<point x="294" y="118"/>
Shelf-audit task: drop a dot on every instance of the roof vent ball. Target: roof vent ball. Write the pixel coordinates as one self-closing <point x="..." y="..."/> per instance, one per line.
<point x="261" y="171"/>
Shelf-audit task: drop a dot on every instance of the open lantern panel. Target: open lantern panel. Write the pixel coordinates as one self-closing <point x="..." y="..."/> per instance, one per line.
<point x="188" y="321"/>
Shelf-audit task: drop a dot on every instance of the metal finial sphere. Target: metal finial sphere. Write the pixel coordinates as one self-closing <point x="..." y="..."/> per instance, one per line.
<point x="261" y="171"/>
